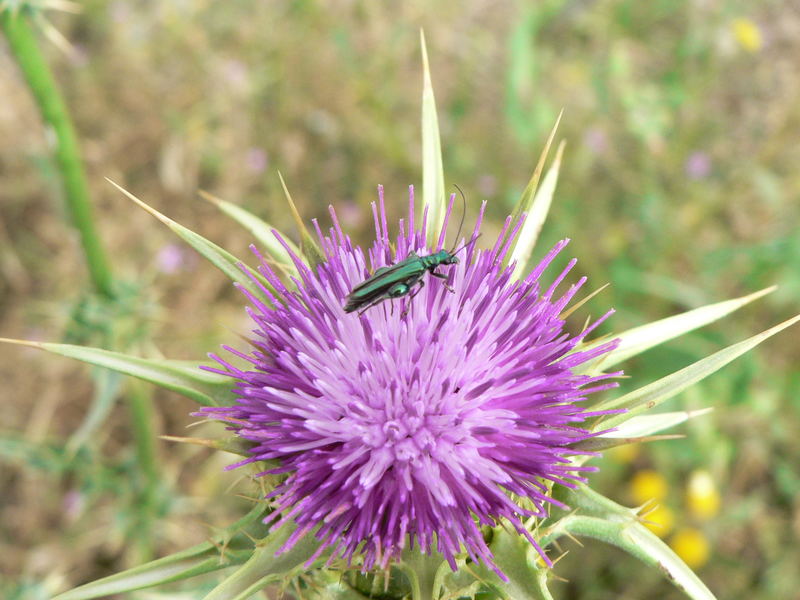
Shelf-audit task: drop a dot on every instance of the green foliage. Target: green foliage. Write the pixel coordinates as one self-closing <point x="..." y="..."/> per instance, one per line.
<point x="325" y="97"/>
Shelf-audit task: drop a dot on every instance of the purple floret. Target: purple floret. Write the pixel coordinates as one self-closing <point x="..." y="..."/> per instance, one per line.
<point x="420" y="420"/>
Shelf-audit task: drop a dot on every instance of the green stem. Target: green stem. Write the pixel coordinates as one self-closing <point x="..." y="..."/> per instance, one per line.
<point x="23" y="44"/>
<point x="264" y="565"/>
<point x="143" y="417"/>
<point x="140" y="403"/>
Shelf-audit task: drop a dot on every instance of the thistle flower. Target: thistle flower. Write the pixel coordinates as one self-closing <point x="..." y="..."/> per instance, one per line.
<point x="422" y="418"/>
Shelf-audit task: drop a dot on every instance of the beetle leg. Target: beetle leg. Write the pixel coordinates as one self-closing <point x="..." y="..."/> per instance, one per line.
<point x="445" y="277"/>
<point x="373" y="303"/>
<point x="411" y="297"/>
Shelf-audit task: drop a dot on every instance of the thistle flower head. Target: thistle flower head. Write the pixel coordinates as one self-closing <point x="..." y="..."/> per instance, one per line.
<point x="420" y="419"/>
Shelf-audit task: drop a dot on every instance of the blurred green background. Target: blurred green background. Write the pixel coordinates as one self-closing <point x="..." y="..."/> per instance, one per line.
<point x="679" y="187"/>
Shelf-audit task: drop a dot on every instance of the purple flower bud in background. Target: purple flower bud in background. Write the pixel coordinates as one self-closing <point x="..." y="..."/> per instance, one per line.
<point x="596" y="140"/>
<point x="256" y="160"/>
<point x="171" y="258"/>
<point x="422" y="419"/>
<point x="697" y="165"/>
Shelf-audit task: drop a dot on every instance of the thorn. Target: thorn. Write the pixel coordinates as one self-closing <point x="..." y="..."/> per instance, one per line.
<point x="576" y="306"/>
<point x="28" y="343"/>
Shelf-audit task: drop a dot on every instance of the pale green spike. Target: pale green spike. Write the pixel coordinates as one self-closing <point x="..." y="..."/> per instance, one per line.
<point x="308" y="246"/>
<point x="655" y="393"/>
<point x="220" y="258"/>
<point x="598" y="444"/>
<point x="194" y="561"/>
<point x="184" y="378"/>
<point x="233" y="445"/>
<point x="644" y="425"/>
<point x="526" y="200"/>
<point x="528" y="197"/>
<point x="432" y="170"/>
<point x="637" y="340"/>
<point x="261" y="231"/>
<point x="537" y="214"/>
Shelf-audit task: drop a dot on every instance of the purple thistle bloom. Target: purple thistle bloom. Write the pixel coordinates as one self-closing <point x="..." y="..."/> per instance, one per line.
<point x="422" y="419"/>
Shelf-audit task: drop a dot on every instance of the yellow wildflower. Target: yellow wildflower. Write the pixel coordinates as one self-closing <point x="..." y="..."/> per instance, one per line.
<point x="747" y="34"/>
<point x="648" y="485"/>
<point x="692" y="546"/>
<point x="702" y="497"/>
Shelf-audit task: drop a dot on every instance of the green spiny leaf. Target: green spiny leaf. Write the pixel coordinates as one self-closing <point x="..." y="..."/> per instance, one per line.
<point x="537" y="211"/>
<point x="182" y="377"/>
<point x="308" y="246"/>
<point x="637" y="340"/>
<point x="432" y="169"/>
<point x="518" y="559"/>
<point x="645" y="425"/>
<point x="264" y="565"/>
<point x="262" y="232"/>
<point x="600" y="518"/>
<point x="655" y="393"/>
<point x="640" y="542"/>
<point x="197" y="560"/>
<point x="220" y="258"/>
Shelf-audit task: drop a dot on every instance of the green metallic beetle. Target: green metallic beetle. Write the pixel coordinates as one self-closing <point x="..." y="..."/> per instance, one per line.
<point x="396" y="281"/>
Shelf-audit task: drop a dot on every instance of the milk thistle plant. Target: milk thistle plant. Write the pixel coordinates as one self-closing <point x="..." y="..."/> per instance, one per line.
<point x="434" y="445"/>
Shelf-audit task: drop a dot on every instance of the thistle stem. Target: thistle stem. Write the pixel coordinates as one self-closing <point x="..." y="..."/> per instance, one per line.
<point x="25" y="49"/>
<point x="140" y="404"/>
<point x="264" y="565"/>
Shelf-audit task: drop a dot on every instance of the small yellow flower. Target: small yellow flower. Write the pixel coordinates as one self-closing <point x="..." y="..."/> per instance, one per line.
<point x="747" y="34"/>
<point x="702" y="496"/>
<point x="648" y="485"/>
<point x="692" y="546"/>
<point x="659" y="520"/>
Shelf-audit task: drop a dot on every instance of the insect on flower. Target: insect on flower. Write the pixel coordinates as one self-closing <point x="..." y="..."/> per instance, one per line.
<point x="396" y="281"/>
<point x="393" y="435"/>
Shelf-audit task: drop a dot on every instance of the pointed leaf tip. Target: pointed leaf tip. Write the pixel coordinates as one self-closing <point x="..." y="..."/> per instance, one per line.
<point x="639" y="339"/>
<point x="186" y="379"/>
<point x="537" y="207"/>
<point x="653" y="394"/>
<point x="308" y="246"/>
<point x="16" y="342"/>
<point x="432" y="167"/>
<point x="261" y="231"/>
<point x="231" y="266"/>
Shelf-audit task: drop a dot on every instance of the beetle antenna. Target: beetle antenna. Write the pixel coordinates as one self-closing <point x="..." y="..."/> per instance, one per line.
<point x="475" y="237"/>
<point x="463" y="212"/>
